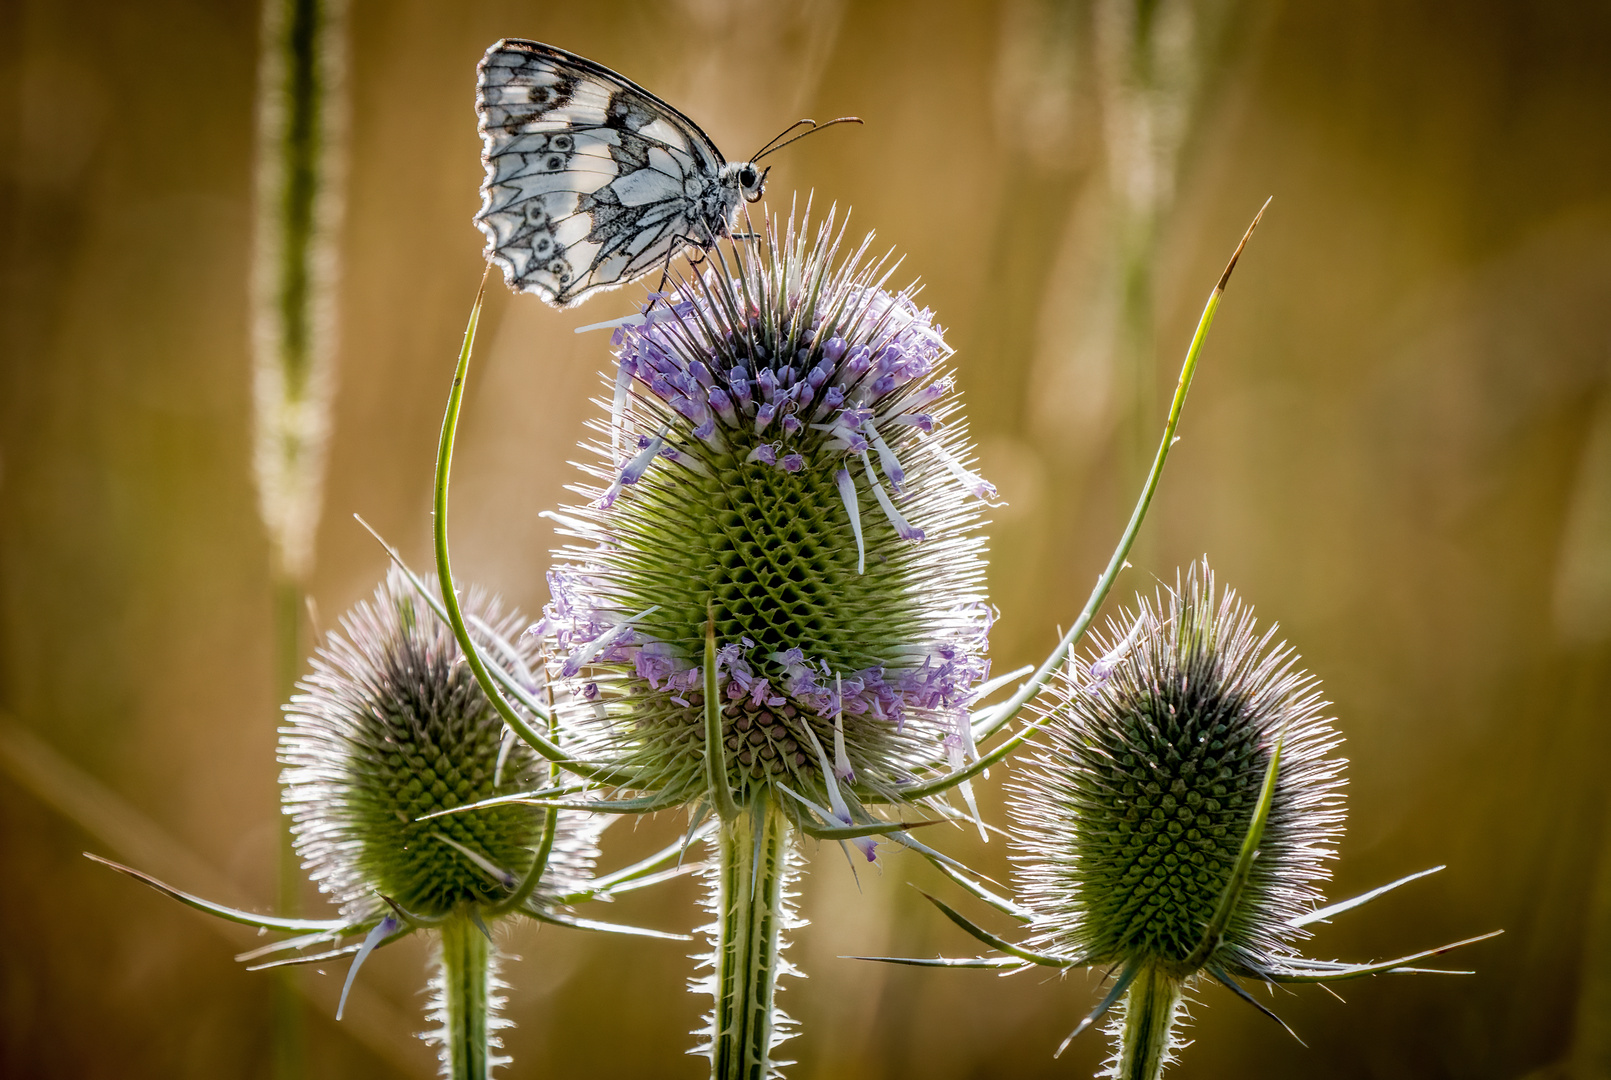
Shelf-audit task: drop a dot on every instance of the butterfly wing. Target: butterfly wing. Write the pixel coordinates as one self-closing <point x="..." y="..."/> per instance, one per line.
<point x="592" y="181"/>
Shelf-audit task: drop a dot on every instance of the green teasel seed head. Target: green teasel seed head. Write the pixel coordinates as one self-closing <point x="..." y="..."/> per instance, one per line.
<point x="1131" y="819"/>
<point x="784" y="455"/>
<point x="391" y="726"/>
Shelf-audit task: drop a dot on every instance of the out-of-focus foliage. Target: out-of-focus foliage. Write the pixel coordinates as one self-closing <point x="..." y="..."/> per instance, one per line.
<point x="1399" y="445"/>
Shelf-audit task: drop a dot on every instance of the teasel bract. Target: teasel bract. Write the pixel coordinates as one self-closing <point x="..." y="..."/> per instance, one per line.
<point x="773" y="612"/>
<point x="389" y="730"/>
<point x="1176" y="823"/>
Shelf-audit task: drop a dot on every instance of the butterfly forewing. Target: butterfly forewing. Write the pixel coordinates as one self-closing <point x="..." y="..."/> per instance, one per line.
<point x="591" y="181"/>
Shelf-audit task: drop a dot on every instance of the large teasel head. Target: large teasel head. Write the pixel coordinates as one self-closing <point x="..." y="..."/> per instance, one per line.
<point x="783" y="461"/>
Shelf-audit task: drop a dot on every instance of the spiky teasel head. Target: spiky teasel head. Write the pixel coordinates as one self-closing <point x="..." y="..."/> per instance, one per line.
<point x="391" y="727"/>
<point x="390" y="735"/>
<point x="1131" y="821"/>
<point x="783" y="454"/>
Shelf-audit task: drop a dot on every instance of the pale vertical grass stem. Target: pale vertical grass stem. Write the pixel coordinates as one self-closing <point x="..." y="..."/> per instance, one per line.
<point x="300" y="128"/>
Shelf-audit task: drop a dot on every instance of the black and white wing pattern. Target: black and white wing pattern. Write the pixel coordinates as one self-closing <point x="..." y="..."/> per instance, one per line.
<point x="592" y="181"/>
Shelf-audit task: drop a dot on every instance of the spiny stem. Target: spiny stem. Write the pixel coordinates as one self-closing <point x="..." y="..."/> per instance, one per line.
<point x="750" y="913"/>
<point x="464" y="985"/>
<point x="1146" y="1034"/>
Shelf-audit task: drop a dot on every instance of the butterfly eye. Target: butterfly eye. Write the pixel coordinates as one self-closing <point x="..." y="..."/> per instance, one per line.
<point x="747" y="177"/>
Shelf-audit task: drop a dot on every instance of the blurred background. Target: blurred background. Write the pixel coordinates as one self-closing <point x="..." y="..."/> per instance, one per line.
<point x="1398" y="446"/>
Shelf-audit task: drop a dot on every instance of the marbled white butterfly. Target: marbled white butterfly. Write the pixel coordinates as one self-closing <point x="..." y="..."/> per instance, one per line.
<point x="592" y="181"/>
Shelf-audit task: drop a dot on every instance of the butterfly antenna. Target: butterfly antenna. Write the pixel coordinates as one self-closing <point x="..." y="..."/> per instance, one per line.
<point x="812" y="127"/>
<point x="780" y="136"/>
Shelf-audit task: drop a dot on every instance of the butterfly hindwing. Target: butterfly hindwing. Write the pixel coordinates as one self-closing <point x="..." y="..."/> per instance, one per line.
<point x="591" y="181"/>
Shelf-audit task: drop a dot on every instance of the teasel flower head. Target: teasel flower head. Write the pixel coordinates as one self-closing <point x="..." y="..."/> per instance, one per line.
<point x="1177" y="823"/>
<point x="390" y="735"/>
<point x="391" y="728"/>
<point x="1131" y="820"/>
<point x="784" y="459"/>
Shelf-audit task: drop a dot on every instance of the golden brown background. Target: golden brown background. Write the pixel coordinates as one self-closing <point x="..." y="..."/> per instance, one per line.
<point x="1399" y="446"/>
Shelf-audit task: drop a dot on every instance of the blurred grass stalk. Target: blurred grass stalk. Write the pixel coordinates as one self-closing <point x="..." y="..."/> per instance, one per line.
<point x="301" y="122"/>
<point x="1150" y="59"/>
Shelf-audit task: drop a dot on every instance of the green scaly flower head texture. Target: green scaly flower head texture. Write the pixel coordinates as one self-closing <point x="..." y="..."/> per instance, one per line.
<point x="1131" y="820"/>
<point x="391" y="727"/>
<point x="783" y="455"/>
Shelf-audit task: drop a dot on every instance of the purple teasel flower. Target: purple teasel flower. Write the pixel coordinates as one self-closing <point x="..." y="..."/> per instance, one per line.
<point x="823" y="615"/>
<point x="772" y="604"/>
<point x="784" y="450"/>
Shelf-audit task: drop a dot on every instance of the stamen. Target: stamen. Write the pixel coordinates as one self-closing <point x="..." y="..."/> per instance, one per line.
<point x="618" y="405"/>
<point x="977" y="486"/>
<point x="584" y="656"/>
<point x="841" y="810"/>
<point x="886" y="457"/>
<point x="634" y="469"/>
<point x="904" y="528"/>
<point x="847" y="493"/>
<point x="841" y="760"/>
<point x="922" y="421"/>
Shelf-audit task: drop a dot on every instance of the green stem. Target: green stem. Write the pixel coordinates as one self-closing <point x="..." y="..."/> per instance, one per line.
<point x="1146" y="1035"/>
<point x="464" y="986"/>
<point x="751" y="916"/>
<point x="287" y="665"/>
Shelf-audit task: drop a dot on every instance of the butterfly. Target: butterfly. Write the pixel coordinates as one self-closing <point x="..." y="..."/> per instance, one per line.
<point x="592" y="181"/>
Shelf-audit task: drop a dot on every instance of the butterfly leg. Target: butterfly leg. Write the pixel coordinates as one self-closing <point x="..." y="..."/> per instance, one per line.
<point x="665" y="269"/>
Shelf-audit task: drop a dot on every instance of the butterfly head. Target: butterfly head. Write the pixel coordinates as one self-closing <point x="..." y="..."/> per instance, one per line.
<point x="745" y="178"/>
